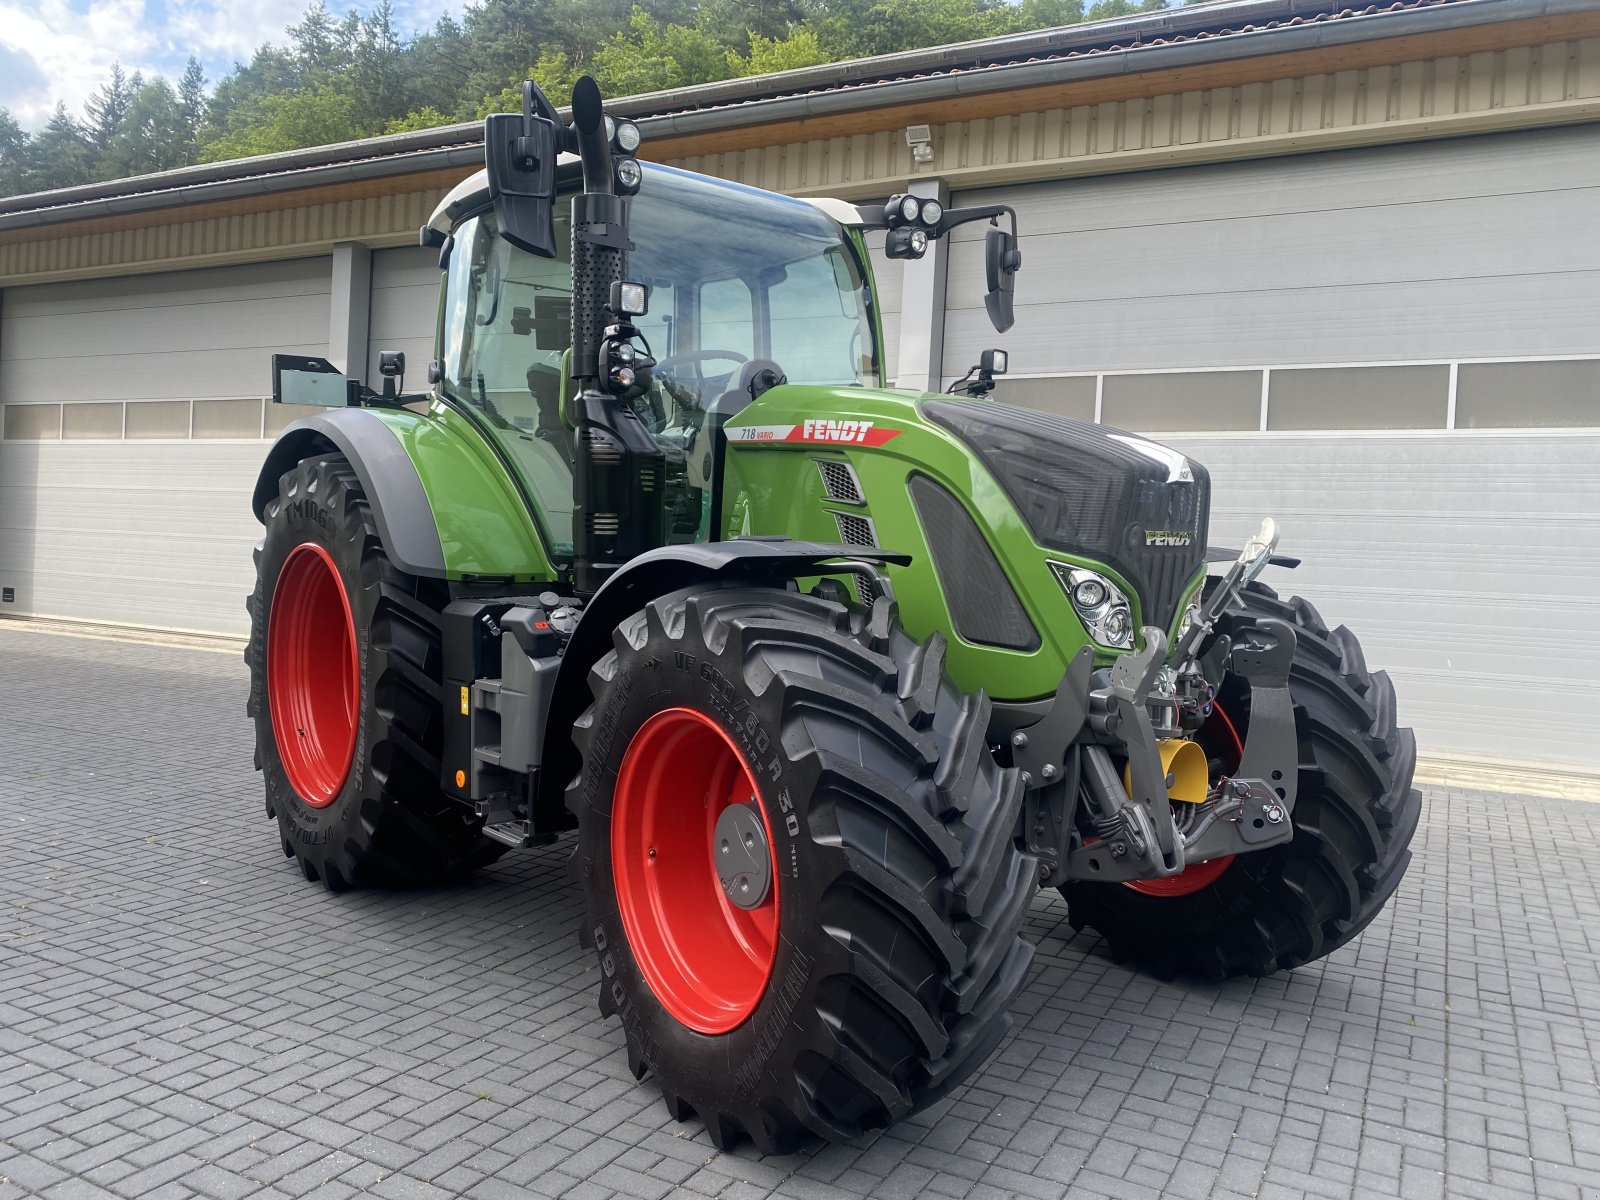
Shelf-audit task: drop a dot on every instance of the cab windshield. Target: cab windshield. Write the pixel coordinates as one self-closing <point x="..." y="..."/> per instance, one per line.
<point x="739" y="280"/>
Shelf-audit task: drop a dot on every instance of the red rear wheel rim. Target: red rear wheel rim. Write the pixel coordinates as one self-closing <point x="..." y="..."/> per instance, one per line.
<point x="313" y="675"/>
<point x="706" y="959"/>
<point x="1220" y="730"/>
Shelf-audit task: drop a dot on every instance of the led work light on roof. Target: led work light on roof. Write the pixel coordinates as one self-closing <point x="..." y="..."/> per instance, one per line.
<point x="914" y="221"/>
<point x="629" y="176"/>
<point x="906" y="242"/>
<point x="628" y="299"/>
<point x="906" y="209"/>
<point x="627" y="136"/>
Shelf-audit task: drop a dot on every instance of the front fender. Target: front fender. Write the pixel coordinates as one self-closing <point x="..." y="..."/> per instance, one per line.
<point x="444" y="505"/>
<point x="770" y="561"/>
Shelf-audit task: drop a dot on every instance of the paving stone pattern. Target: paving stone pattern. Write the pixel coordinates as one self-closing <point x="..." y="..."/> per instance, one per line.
<point x="182" y="1015"/>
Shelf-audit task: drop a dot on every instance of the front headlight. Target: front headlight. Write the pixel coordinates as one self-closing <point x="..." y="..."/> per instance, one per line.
<point x="1099" y="603"/>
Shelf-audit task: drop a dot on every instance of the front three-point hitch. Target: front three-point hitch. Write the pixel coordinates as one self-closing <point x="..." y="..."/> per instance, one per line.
<point x="1087" y="820"/>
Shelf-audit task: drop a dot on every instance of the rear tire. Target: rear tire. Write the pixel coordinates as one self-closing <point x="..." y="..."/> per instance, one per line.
<point x="899" y="885"/>
<point x="362" y="805"/>
<point x="1354" y="817"/>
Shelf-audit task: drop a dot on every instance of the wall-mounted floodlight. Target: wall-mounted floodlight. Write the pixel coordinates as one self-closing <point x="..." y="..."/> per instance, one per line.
<point x="920" y="139"/>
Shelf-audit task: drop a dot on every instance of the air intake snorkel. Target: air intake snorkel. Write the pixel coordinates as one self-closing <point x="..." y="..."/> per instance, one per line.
<point x="619" y="470"/>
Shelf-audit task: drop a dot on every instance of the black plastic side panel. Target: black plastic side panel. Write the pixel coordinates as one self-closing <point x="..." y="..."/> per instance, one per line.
<point x="394" y="490"/>
<point x="771" y="561"/>
<point x="983" y="604"/>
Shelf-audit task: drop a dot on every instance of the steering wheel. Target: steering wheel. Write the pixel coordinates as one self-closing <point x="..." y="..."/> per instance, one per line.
<point x="694" y="358"/>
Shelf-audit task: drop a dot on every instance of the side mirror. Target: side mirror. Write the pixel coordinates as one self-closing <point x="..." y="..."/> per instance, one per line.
<point x="520" y="151"/>
<point x="392" y="366"/>
<point x="1001" y="260"/>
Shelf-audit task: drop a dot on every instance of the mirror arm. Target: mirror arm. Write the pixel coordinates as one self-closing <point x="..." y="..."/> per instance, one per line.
<point x="876" y="216"/>
<point x="984" y="212"/>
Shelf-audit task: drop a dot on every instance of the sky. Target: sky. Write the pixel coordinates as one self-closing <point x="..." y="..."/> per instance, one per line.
<point x="63" y="49"/>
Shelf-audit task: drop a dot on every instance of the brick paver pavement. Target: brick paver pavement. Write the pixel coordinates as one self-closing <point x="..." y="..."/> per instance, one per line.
<point x="182" y="1015"/>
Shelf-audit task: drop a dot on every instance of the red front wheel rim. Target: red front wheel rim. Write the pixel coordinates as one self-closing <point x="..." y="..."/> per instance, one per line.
<point x="706" y="960"/>
<point x="313" y="675"/>
<point x="1201" y="875"/>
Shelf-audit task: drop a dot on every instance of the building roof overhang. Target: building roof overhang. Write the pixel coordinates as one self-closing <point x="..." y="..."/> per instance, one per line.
<point x="1109" y="59"/>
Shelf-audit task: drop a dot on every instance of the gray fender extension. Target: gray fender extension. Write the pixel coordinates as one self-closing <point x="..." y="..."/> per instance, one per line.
<point x="399" y="503"/>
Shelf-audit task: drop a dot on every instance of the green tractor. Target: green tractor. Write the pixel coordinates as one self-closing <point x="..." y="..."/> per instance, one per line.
<point x="829" y="679"/>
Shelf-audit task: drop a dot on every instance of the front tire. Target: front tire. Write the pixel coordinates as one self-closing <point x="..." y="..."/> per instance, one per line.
<point x="1354" y="817"/>
<point x="345" y="692"/>
<point x="876" y="973"/>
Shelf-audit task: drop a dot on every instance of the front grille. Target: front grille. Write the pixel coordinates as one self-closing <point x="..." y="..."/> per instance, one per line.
<point x="856" y="531"/>
<point x="839" y="482"/>
<point x="1095" y="492"/>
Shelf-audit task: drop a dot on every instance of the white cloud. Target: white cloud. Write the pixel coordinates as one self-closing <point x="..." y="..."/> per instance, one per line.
<point x="73" y="50"/>
<point x="227" y="33"/>
<point x="73" y="43"/>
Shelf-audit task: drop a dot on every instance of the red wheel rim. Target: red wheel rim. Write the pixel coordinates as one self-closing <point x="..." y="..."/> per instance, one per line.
<point x="706" y="959"/>
<point x="1201" y="874"/>
<point x="313" y="675"/>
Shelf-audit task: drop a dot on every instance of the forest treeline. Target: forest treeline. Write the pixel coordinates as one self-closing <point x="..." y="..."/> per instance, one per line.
<point x="340" y="78"/>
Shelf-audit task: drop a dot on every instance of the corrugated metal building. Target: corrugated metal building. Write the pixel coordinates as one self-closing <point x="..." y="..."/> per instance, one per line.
<point x="1346" y="257"/>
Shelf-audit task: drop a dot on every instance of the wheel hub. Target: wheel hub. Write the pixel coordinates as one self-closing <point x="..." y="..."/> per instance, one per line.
<point x="744" y="864"/>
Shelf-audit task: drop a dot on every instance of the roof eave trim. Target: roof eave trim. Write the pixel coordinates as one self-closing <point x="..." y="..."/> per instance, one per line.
<point x="388" y="161"/>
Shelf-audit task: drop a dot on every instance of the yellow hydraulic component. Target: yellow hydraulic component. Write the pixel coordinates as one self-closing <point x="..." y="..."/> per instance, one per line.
<point x="1184" y="766"/>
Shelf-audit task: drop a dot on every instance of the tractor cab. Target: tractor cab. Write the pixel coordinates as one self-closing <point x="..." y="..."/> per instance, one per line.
<point x="745" y="290"/>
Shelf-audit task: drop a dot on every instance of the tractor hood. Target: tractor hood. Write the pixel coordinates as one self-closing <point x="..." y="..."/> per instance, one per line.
<point x="1139" y="507"/>
<point x="996" y="507"/>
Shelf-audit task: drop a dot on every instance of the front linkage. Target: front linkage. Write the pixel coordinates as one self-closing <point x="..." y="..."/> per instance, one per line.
<point x="1086" y="823"/>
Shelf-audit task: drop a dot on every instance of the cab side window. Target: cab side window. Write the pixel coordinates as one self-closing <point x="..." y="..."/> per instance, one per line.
<point x="507" y="326"/>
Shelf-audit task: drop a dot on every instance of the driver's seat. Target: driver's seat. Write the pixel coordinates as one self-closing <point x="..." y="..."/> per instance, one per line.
<point x="756" y="377"/>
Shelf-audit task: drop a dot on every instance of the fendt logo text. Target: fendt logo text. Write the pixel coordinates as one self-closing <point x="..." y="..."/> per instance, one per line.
<point x="836" y="431"/>
<point x="1166" y="537"/>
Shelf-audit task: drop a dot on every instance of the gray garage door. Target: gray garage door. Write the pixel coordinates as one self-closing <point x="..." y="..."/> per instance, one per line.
<point x="1396" y="352"/>
<point x="405" y="310"/>
<point x="131" y="429"/>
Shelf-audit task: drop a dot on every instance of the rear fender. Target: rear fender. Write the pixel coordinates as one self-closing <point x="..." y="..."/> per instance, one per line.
<point x="399" y="504"/>
<point x="445" y="506"/>
<point x="768" y="562"/>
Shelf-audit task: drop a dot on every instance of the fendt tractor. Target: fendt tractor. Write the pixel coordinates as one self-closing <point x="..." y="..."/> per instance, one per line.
<point x="828" y="678"/>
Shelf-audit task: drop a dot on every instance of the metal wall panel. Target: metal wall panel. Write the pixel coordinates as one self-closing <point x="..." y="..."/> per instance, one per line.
<point x="138" y="533"/>
<point x="1468" y="564"/>
<point x="405" y="307"/>
<point x="186" y="334"/>
<point x="133" y="531"/>
<point x="1521" y="87"/>
<point x="1474" y="248"/>
<point x="298" y="232"/>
